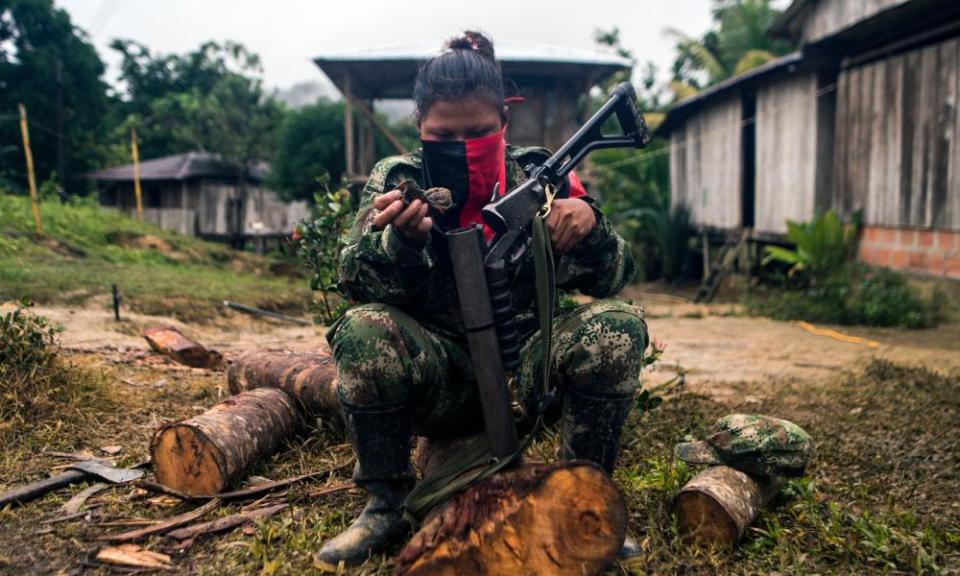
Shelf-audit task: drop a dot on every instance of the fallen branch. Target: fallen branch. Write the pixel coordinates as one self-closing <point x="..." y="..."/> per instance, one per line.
<point x="226" y="523"/>
<point x="243" y="494"/>
<point x="162" y="526"/>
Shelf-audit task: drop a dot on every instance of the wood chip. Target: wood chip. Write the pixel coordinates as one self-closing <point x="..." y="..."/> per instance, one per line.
<point x="111" y="449"/>
<point x="163" y="526"/>
<point x="134" y="556"/>
<point x="80" y="498"/>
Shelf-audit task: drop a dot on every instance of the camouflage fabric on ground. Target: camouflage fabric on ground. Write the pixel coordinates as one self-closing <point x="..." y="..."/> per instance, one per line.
<point x="754" y="443"/>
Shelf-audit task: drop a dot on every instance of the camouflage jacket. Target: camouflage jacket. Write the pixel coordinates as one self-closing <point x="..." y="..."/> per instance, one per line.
<point x="378" y="265"/>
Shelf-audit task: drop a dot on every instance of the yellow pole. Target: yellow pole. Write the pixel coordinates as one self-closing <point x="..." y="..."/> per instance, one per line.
<point x="31" y="179"/>
<point x="136" y="173"/>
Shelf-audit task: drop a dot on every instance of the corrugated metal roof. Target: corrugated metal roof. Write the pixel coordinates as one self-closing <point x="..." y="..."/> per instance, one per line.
<point x="700" y="98"/>
<point x="389" y="72"/>
<point x="179" y="167"/>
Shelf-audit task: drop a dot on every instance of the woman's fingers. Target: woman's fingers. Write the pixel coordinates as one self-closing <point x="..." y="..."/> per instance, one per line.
<point x="425" y="225"/>
<point x="382" y="201"/>
<point x="387" y="214"/>
<point x="408" y="214"/>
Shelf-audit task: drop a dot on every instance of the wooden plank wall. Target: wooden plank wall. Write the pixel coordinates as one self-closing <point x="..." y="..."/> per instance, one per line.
<point x="896" y="155"/>
<point x="786" y="152"/>
<point x="705" y="164"/>
<point x="827" y="17"/>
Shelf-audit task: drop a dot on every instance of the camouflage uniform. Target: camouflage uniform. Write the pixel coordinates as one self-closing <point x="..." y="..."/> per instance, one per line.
<point x="407" y="346"/>
<point x="404" y="368"/>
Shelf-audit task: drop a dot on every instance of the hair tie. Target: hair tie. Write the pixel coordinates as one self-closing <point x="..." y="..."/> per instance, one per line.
<point x="514" y="100"/>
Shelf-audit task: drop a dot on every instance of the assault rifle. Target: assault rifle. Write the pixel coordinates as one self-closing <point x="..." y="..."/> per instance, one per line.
<point x="488" y="314"/>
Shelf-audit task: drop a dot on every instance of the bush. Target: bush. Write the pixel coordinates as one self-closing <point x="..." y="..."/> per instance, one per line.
<point x="824" y="285"/>
<point x="857" y="295"/>
<point x="320" y="250"/>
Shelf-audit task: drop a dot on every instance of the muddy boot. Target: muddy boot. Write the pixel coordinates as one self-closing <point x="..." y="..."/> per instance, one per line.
<point x="591" y="431"/>
<point x="381" y="440"/>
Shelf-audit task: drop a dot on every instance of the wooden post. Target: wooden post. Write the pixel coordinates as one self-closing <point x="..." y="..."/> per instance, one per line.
<point x="348" y="125"/>
<point x="31" y="178"/>
<point x="135" y="152"/>
<point x="379" y="125"/>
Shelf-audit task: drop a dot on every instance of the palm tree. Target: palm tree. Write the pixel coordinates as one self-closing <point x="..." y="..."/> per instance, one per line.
<point x="739" y="42"/>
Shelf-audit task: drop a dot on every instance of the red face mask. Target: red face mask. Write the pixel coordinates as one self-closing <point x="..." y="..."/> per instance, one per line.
<point x="474" y="170"/>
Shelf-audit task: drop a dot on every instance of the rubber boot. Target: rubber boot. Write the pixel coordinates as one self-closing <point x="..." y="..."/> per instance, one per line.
<point x="591" y="426"/>
<point x="381" y="439"/>
<point x="591" y="431"/>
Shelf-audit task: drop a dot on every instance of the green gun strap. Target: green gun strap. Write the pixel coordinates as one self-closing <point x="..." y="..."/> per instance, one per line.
<point x="473" y="462"/>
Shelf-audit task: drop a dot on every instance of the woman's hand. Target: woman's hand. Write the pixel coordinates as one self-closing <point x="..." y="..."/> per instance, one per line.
<point x="412" y="222"/>
<point x="570" y="220"/>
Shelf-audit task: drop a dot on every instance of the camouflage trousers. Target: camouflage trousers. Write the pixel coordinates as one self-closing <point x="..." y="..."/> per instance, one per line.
<point x="386" y="358"/>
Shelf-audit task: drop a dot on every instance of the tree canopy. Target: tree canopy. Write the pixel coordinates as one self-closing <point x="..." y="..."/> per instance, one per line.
<point x="210" y="99"/>
<point x="49" y="65"/>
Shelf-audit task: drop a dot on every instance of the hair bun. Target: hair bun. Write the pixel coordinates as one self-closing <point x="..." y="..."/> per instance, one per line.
<point x="472" y="40"/>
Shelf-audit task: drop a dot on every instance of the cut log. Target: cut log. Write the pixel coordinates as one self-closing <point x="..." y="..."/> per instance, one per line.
<point x="559" y="519"/>
<point x="205" y="454"/>
<point x="171" y="343"/>
<point x="310" y="379"/>
<point x="717" y="506"/>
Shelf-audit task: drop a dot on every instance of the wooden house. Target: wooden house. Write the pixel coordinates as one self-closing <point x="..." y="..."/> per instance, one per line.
<point x="863" y="117"/>
<point x="553" y="81"/>
<point x="199" y="194"/>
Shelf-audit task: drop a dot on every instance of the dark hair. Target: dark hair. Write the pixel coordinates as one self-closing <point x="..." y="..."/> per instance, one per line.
<point x="466" y="68"/>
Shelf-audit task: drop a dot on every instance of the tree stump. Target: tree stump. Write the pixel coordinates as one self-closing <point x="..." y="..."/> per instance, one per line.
<point x="171" y="343"/>
<point x="558" y="519"/>
<point x="310" y="379"/>
<point x="718" y="505"/>
<point x="203" y="455"/>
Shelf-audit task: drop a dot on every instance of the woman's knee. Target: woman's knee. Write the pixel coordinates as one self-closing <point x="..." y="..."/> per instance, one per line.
<point x="608" y="343"/>
<point x="375" y="347"/>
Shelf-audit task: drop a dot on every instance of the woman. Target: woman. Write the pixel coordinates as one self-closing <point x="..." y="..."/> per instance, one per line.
<point x="401" y="355"/>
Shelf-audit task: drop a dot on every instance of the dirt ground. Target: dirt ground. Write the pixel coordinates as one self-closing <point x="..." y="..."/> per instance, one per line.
<point x="714" y="345"/>
<point x="729" y="362"/>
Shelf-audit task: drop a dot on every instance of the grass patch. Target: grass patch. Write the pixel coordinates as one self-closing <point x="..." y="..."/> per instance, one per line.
<point x="87" y="248"/>
<point x="879" y="496"/>
<point x="44" y="399"/>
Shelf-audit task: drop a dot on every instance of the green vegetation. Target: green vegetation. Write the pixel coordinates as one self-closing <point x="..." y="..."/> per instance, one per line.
<point x="320" y="243"/>
<point x="738" y="42"/>
<point x="41" y="394"/>
<point x="86" y="248"/>
<point x="823" y="284"/>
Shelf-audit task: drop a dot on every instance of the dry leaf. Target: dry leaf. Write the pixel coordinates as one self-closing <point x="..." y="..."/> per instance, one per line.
<point x="111" y="449"/>
<point x="135" y="556"/>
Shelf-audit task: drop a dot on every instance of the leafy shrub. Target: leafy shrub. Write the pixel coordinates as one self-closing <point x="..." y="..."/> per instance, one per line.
<point x="824" y="285"/>
<point x="29" y="343"/>
<point x="822" y="249"/>
<point x="320" y="249"/>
